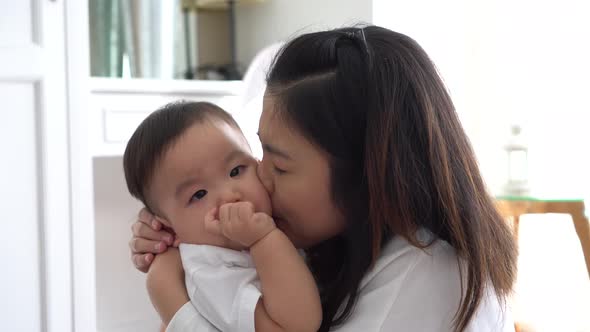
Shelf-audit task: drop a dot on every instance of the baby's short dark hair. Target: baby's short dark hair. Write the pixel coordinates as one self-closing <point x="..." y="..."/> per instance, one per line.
<point x="154" y="136"/>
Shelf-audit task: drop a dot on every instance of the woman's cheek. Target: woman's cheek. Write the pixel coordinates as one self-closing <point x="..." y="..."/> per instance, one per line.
<point x="266" y="201"/>
<point x="262" y="197"/>
<point x="265" y="177"/>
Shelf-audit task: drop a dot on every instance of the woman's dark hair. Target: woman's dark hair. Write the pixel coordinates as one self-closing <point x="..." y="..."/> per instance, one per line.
<point x="400" y="160"/>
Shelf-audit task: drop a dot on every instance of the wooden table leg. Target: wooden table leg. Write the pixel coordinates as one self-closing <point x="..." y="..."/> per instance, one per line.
<point x="582" y="226"/>
<point x="515" y="226"/>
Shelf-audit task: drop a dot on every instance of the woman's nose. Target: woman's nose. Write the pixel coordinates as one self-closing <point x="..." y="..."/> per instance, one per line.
<point x="265" y="178"/>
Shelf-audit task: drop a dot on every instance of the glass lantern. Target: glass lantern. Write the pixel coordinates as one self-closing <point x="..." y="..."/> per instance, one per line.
<point x="517" y="173"/>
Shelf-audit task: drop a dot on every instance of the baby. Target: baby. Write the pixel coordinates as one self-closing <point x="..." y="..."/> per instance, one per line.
<point x="191" y="166"/>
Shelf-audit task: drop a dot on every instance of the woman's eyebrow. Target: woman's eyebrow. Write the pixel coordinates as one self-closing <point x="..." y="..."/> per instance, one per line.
<point x="274" y="150"/>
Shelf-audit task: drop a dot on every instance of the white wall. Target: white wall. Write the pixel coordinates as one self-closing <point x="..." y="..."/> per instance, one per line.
<point x="535" y="70"/>
<point x="122" y="303"/>
<point x="449" y="32"/>
<point x="506" y="61"/>
<point x="275" y="20"/>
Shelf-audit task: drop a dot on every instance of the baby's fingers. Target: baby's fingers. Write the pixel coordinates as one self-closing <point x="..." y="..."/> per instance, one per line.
<point x="143" y="246"/>
<point x="212" y="225"/>
<point x="142" y="262"/>
<point x="141" y="230"/>
<point x="144" y="216"/>
<point x="245" y="211"/>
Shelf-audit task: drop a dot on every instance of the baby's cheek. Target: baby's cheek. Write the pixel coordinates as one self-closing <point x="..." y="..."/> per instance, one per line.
<point x="263" y="200"/>
<point x="268" y="207"/>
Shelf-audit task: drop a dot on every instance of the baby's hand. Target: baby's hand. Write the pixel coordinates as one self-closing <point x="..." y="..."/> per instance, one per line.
<point x="239" y="223"/>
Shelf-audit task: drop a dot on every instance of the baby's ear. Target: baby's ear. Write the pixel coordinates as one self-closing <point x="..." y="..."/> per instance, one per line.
<point x="164" y="221"/>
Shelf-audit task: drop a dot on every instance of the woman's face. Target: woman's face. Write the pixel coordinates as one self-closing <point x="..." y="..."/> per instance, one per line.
<point x="297" y="176"/>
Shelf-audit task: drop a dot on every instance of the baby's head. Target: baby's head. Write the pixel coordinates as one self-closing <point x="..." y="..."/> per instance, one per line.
<point x="186" y="159"/>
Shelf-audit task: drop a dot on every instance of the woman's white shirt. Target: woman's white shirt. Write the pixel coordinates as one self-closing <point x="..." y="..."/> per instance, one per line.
<point x="408" y="289"/>
<point x="412" y="289"/>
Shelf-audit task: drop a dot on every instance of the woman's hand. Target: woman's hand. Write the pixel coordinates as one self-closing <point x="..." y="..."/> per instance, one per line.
<point x="165" y="284"/>
<point x="150" y="237"/>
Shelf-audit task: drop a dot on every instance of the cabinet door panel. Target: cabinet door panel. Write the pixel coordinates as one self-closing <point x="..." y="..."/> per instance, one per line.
<point x="17" y="19"/>
<point x="20" y="284"/>
<point x="35" y="283"/>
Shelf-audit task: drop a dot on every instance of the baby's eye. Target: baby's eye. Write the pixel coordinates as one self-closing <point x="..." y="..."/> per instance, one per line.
<point x="236" y="171"/>
<point x="199" y="195"/>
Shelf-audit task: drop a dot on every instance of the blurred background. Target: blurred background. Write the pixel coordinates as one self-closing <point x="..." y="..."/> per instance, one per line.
<point x="78" y="76"/>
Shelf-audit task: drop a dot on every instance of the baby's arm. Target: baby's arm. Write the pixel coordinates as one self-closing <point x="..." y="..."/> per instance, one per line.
<point x="165" y="284"/>
<point x="290" y="299"/>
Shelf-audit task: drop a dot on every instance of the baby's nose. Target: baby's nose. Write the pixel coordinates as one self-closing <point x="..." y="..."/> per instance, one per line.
<point x="230" y="196"/>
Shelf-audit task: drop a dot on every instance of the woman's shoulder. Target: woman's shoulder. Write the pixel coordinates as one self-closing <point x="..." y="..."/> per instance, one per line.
<point x="400" y="261"/>
<point x="419" y="289"/>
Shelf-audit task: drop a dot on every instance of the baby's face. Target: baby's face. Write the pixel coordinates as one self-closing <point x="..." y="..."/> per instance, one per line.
<point x="209" y="165"/>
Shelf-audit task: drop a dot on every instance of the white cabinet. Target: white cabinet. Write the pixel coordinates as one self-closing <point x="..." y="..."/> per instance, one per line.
<point x="34" y="174"/>
<point x="118" y="106"/>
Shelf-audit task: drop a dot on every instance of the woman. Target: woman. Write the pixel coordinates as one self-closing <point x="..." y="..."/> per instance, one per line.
<point x="371" y="173"/>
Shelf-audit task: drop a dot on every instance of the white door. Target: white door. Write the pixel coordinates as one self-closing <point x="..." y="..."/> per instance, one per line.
<point x="35" y="282"/>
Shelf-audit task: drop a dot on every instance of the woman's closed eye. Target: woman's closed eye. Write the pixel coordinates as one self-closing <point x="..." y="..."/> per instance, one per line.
<point x="278" y="170"/>
<point x="198" y="195"/>
<point x="237" y="170"/>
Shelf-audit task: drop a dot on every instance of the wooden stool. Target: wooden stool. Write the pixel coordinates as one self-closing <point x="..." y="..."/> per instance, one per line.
<point x="514" y="207"/>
